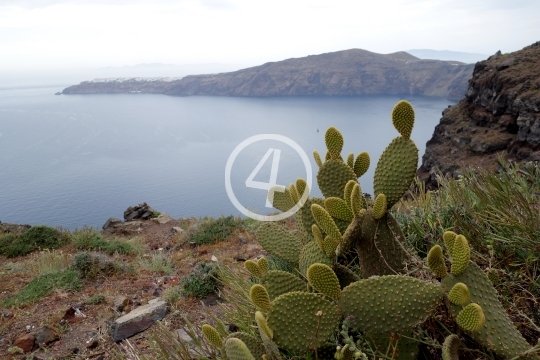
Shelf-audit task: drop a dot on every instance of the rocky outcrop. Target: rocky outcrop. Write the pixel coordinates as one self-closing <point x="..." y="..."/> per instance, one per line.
<point x="499" y="116"/>
<point x="344" y="73"/>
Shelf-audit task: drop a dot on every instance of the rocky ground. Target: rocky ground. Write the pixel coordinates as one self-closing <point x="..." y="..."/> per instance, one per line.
<point x="65" y="325"/>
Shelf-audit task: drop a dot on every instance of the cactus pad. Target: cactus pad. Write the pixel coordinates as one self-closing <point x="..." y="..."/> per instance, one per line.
<point x="262" y="324"/>
<point x="279" y="282"/>
<point x="334" y="142"/>
<point x="450" y="347"/>
<point x="212" y="335"/>
<point x="357" y="200"/>
<point x="301" y="186"/>
<point x="435" y="261"/>
<point x="379" y="206"/>
<point x="279" y="241"/>
<point x="350" y="160"/>
<point x="324" y="280"/>
<point x="389" y="303"/>
<point x="498" y="332"/>
<point x="259" y="296"/>
<point x="311" y="254"/>
<point x="361" y="164"/>
<point x="325" y="222"/>
<point x="396" y="169"/>
<point x="348" y="191"/>
<point x="449" y="237"/>
<point x="253" y="344"/>
<point x="294" y="193"/>
<point x="282" y="199"/>
<point x="403" y="118"/>
<point x="304" y="216"/>
<point x="263" y="265"/>
<point x="296" y="324"/>
<point x="237" y="350"/>
<point x="471" y="318"/>
<point x="459" y="294"/>
<point x="317" y="158"/>
<point x="333" y="176"/>
<point x="329" y="246"/>
<point x="338" y="208"/>
<point x="253" y="268"/>
<point x="461" y="255"/>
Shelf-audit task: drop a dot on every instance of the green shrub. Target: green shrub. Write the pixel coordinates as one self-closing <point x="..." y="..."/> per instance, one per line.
<point x="42" y="286"/>
<point x="211" y="230"/>
<point x="37" y="237"/>
<point x="91" y="239"/>
<point x="201" y="282"/>
<point x="93" y="264"/>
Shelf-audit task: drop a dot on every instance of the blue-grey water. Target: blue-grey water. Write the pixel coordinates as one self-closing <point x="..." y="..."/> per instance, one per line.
<point x="76" y="160"/>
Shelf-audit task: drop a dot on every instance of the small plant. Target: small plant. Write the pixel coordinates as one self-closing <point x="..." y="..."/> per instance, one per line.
<point x="37" y="237"/>
<point x="201" y="282"/>
<point x="159" y="262"/>
<point x="42" y="286"/>
<point x="93" y="264"/>
<point x="91" y="239"/>
<point x="155" y="214"/>
<point x="210" y="230"/>
<point x="49" y="261"/>
<point x="172" y="295"/>
<point x="96" y="299"/>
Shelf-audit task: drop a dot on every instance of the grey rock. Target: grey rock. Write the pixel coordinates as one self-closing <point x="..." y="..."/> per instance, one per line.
<point x="179" y="230"/>
<point x="184" y="336"/>
<point x="163" y="218"/>
<point x="46" y="335"/>
<point x="242" y="240"/>
<point x="112" y="223"/>
<point x="139" y="212"/>
<point x="138" y="320"/>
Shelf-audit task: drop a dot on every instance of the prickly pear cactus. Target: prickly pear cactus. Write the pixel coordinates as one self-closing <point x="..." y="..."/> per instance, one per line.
<point x="483" y="317"/>
<point x="279" y="282"/>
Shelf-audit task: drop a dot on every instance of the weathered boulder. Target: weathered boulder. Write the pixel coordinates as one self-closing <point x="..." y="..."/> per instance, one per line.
<point x="162" y="218"/>
<point x="139" y="319"/>
<point x="139" y="212"/>
<point x="112" y="223"/>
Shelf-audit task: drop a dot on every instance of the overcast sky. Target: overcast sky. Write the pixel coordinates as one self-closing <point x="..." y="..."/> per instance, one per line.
<point x="49" y="34"/>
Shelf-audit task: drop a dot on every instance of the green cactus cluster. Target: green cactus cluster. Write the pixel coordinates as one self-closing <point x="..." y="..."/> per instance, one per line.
<point x="473" y="302"/>
<point x="381" y="307"/>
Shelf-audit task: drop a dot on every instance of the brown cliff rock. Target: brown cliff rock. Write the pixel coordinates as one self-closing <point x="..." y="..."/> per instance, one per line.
<point x="500" y="115"/>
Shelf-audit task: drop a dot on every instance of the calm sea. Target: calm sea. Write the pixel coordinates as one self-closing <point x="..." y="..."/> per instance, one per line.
<point x="76" y="160"/>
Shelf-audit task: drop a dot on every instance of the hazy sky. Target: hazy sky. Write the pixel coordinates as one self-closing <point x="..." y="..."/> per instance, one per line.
<point x="50" y="34"/>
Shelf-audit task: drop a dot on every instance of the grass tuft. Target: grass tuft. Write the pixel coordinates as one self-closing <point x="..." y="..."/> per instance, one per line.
<point x="42" y="286"/>
<point x="37" y="237"/>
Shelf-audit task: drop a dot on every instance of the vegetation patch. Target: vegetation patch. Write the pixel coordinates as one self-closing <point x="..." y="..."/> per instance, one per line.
<point x="90" y="265"/>
<point x="37" y="237"/>
<point x="202" y="280"/>
<point x="210" y="231"/>
<point x="42" y="286"/>
<point x="91" y="239"/>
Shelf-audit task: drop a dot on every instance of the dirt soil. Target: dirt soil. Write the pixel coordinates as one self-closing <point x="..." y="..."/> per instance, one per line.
<point x="89" y="337"/>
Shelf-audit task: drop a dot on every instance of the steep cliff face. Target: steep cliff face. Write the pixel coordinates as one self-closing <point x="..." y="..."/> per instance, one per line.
<point x="349" y="72"/>
<point x="500" y="115"/>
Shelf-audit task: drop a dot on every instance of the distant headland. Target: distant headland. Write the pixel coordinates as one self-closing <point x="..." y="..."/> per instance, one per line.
<point x="352" y="72"/>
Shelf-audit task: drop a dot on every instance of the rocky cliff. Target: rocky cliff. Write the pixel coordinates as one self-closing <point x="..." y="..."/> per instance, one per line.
<point x="500" y="115"/>
<point x="349" y="72"/>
